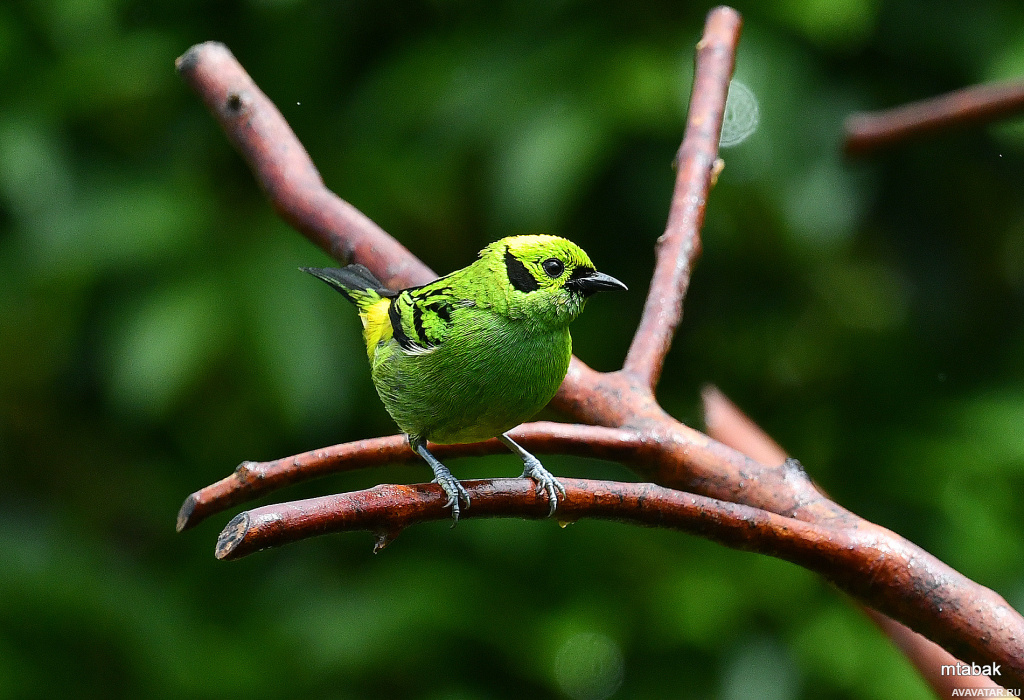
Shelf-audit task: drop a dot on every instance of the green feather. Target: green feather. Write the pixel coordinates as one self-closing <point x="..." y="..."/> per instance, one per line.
<point x="477" y="352"/>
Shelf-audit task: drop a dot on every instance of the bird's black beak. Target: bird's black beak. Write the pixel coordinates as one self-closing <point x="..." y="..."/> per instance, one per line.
<point x="586" y="281"/>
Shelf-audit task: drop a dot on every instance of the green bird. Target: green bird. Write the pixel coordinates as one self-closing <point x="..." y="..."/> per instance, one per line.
<point x="475" y="353"/>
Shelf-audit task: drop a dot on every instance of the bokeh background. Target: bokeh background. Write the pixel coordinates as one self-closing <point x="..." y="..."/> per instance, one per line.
<point x="154" y="332"/>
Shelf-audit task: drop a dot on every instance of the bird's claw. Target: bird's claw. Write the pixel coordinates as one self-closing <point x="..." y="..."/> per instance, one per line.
<point x="456" y="494"/>
<point x="546" y="483"/>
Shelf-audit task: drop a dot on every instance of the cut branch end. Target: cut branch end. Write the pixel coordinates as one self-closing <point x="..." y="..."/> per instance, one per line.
<point x="232" y="536"/>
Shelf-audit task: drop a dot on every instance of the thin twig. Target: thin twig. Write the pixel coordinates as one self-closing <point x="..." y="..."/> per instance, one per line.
<point x="870" y="131"/>
<point x="679" y="247"/>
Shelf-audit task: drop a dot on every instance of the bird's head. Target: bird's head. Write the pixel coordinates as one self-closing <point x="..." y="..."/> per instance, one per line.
<point x="546" y="277"/>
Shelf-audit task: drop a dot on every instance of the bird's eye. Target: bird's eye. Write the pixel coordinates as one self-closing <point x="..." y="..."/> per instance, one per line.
<point x="553" y="267"/>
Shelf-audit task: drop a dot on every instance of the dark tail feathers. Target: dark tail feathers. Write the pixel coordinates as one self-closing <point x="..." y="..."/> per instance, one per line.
<point x="348" y="279"/>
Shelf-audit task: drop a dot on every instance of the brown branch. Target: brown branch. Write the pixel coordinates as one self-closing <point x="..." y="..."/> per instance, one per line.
<point x="388" y="509"/>
<point x="928" y="658"/>
<point x="881" y="568"/>
<point x="727" y="423"/>
<point x="836" y="554"/>
<point x="686" y="458"/>
<point x="869" y="131"/>
<point x="679" y="247"/>
<point x="253" y="479"/>
<point x="868" y="561"/>
<point x="260" y="133"/>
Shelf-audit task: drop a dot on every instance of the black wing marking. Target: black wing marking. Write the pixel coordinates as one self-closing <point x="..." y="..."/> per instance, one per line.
<point x="422" y="316"/>
<point x="348" y="278"/>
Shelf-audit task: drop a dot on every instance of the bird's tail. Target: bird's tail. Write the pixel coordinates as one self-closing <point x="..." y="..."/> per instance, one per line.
<point x="373" y="299"/>
<point x="355" y="282"/>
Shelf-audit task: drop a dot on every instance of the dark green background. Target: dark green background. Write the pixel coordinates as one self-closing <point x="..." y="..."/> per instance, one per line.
<point x="154" y="332"/>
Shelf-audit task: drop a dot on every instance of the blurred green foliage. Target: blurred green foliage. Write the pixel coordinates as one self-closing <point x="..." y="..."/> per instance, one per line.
<point x="154" y="332"/>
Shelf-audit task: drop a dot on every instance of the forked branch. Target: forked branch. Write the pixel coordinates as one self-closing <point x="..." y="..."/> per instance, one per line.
<point x="774" y="509"/>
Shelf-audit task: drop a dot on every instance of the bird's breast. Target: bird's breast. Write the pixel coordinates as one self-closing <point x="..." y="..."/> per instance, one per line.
<point x="489" y="375"/>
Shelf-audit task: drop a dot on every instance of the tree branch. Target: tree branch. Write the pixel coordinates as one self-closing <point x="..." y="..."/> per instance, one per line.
<point x="870" y="131"/>
<point x="253" y="479"/>
<point x="679" y="247"/>
<point x="727" y="423"/>
<point x="928" y="658"/>
<point x="285" y="171"/>
<point x="879" y="567"/>
<point x="896" y="578"/>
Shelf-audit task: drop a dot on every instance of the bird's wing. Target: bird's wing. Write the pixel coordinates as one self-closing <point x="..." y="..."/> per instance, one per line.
<point x="421" y="317"/>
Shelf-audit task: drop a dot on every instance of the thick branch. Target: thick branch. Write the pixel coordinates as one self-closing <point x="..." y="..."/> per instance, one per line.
<point x="390" y="508"/>
<point x="727" y="423"/>
<point x="900" y="578"/>
<point x="928" y="658"/>
<point x="679" y="247"/>
<point x="869" y="131"/>
<point x="687" y="459"/>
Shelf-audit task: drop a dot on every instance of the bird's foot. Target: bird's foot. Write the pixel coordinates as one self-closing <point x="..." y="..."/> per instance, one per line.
<point x="533" y="469"/>
<point x="453" y="487"/>
<point x="546" y="482"/>
<point x="456" y="491"/>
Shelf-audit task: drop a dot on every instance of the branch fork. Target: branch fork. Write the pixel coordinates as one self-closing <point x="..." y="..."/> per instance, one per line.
<point x="700" y="485"/>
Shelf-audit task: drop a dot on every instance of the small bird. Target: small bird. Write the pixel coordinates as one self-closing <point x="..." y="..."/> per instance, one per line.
<point x="475" y="353"/>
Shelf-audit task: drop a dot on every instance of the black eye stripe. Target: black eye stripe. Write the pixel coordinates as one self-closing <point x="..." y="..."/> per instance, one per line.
<point x="518" y="275"/>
